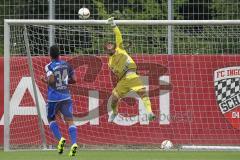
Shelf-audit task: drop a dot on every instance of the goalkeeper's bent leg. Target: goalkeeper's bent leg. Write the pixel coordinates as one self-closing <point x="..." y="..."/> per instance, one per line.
<point x="114" y="103"/>
<point x="114" y="106"/>
<point x="146" y="101"/>
<point x="145" y="98"/>
<point x="147" y="104"/>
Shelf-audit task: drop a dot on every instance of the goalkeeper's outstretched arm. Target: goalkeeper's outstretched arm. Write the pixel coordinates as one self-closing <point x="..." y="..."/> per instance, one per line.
<point x="118" y="34"/>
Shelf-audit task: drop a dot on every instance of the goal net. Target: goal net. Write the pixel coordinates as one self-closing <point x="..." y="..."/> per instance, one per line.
<point x="194" y="90"/>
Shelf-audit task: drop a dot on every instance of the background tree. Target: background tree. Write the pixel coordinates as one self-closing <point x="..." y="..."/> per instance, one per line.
<point x="120" y="9"/>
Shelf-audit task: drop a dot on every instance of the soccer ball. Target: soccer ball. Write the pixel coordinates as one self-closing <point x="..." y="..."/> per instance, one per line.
<point x="83" y="13"/>
<point x="166" y="144"/>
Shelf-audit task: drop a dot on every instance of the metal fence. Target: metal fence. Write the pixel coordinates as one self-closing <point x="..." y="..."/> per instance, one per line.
<point x="120" y="9"/>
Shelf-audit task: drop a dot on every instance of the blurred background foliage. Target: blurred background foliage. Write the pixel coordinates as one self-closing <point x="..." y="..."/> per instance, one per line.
<point x="124" y="9"/>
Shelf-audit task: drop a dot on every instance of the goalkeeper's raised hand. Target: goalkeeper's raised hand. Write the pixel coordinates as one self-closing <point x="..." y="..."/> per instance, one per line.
<point x="111" y="21"/>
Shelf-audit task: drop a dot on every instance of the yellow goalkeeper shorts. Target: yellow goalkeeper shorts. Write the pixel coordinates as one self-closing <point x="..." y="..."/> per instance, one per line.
<point x="131" y="82"/>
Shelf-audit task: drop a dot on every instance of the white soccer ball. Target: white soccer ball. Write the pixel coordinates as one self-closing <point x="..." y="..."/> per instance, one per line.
<point x="83" y="13"/>
<point x="166" y="144"/>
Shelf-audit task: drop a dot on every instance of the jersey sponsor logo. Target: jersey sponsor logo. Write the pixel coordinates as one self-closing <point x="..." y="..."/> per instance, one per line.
<point x="227" y="91"/>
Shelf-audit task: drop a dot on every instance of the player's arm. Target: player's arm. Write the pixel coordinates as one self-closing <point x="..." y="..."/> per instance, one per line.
<point x="117" y="32"/>
<point x="118" y="37"/>
<point x="72" y="77"/>
<point x="49" y="79"/>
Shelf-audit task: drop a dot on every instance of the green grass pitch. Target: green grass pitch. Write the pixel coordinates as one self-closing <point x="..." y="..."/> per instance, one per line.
<point x="121" y="155"/>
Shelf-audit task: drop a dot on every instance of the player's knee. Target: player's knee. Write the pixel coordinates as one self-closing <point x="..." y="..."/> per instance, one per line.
<point x="69" y="123"/>
<point x="115" y="98"/>
<point x="142" y="92"/>
<point x="68" y="120"/>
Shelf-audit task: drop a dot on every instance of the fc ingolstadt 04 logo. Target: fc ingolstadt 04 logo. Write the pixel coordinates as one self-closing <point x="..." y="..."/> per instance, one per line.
<point x="227" y="90"/>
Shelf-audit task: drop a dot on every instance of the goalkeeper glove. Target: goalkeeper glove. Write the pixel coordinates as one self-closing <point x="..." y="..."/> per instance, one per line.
<point x="111" y="21"/>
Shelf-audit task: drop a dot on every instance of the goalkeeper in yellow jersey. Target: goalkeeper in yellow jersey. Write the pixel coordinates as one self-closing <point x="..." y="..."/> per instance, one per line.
<point x="123" y="66"/>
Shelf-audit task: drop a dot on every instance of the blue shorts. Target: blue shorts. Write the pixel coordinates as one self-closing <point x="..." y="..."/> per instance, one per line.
<point x="65" y="107"/>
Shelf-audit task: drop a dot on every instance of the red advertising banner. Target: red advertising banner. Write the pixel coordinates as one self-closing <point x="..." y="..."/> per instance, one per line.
<point x="196" y="99"/>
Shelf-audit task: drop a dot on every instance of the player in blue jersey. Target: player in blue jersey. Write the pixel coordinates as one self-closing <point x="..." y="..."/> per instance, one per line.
<point x="58" y="75"/>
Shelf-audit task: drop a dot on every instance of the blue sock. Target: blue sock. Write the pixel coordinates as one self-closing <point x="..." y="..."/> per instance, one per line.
<point x="73" y="133"/>
<point x="54" y="127"/>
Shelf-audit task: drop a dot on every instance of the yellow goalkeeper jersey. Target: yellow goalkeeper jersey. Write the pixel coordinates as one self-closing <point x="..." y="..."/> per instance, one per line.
<point x="120" y="62"/>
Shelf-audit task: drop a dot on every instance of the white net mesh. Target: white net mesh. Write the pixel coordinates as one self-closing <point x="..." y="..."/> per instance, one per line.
<point x="151" y="39"/>
<point x="134" y="9"/>
<point x="181" y="87"/>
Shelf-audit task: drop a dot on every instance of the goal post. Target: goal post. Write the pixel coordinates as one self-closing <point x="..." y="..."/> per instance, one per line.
<point x="194" y="91"/>
<point x="26" y="41"/>
<point x="6" y="85"/>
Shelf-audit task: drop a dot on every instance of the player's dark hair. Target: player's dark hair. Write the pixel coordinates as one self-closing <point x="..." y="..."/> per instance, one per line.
<point x="54" y="52"/>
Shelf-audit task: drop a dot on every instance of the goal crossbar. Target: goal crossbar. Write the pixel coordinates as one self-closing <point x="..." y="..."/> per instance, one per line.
<point x="121" y="22"/>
